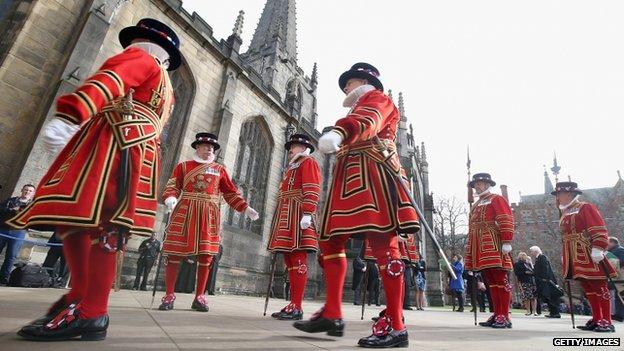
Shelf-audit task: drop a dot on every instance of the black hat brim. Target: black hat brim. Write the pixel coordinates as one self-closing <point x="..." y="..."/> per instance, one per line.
<point x="290" y="143"/>
<point x="578" y="192"/>
<point x="372" y="80"/>
<point x="196" y="142"/>
<point x="473" y="182"/>
<point x="128" y="34"/>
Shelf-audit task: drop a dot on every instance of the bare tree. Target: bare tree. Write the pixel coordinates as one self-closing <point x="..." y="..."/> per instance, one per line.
<point x="450" y="222"/>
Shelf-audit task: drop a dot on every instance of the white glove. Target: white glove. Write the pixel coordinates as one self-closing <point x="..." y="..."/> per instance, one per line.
<point x="329" y="142"/>
<point x="57" y="133"/>
<point x="506" y="248"/>
<point x="251" y="213"/>
<point x="171" y="203"/>
<point x="471" y="273"/>
<point x="306" y="221"/>
<point x="597" y="255"/>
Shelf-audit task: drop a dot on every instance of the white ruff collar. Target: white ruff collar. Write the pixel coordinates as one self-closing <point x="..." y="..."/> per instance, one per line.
<point x="154" y="50"/>
<point x="574" y="201"/>
<point x="201" y="160"/>
<point x="485" y="192"/>
<point x="299" y="155"/>
<point x="352" y="98"/>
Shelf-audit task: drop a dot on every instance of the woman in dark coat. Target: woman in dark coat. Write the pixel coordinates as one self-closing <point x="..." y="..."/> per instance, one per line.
<point x="457" y="285"/>
<point x="523" y="269"/>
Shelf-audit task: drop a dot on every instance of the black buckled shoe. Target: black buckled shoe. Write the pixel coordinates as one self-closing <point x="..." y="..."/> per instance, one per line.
<point x="167" y="302"/>
<point x="318" y="324"/>
<point x="489" y="322"/>
<point x="603" y="326"/>
<point x="276" y="314"/>
<point x="589" y="326"/>
<point x="500" y="322"/>
<point x="553" y="316"/>
<point x="68" y="325"/>
<point x="390" y="339"/>
<point x="200" y="304"/>
<point x="290" y="313"/>
<point x="384" y="336"/>
<point x="53" y="311"/>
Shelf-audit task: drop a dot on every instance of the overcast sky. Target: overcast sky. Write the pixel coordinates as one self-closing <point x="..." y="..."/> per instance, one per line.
<point x="516" y="80"/>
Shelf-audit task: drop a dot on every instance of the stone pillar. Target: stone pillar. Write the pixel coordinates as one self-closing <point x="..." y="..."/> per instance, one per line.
<point x="78" y="68"/>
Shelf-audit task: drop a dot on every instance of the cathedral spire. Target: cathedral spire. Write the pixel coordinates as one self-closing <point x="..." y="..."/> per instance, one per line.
<point x="402" y="107"/>
<point x="238" y="26"/>
<point x="548" y="187"/>
<point x="277" y="30"/>
<point x="555" y="168"/>
<point x="390" y="94"/>
<point x="314" y="78"/>
<point x="234" y="39"/>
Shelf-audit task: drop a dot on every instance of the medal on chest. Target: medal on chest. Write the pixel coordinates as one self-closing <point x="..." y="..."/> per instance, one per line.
<point x="201" y="182"/>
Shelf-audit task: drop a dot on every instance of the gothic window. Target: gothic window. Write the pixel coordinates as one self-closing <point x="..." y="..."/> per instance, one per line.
<point x="527" y="216"/>
<point x="252" y="172"/>
<point x="172" y="135"/>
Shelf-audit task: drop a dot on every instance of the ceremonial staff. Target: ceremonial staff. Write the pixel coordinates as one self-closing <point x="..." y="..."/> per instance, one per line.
<point x="555" y="169"/>
<point x="126" y="109"/>
<point x="270" y="285"/>
<point x="365" y="278"/>
<point x="473" y="277"/>
<point x="160" y="258"/>
<point x="421" y="215"/>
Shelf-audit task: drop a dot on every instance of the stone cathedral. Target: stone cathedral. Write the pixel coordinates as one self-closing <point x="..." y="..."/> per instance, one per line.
<point x="252" y="100"/>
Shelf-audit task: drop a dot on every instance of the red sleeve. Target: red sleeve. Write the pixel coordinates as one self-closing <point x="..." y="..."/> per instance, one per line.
<point x="366" y="119"/>
<point x="175" y="184"/>
<point x="117" y="75"/>
<point x="310" y="185"/>
<point x="503" y="218"/>
<point x="230" y="191"/>
<point x="594" y="226"/>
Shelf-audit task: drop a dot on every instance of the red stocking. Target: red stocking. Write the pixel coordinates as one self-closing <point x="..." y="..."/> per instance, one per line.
<point x="76" y="248"/>
<point x="171" y="273"/>
<point x="385" y="247"/>
<point x="203" y="270"/>
<point x="298" y="272"/>
<point x="335" y="269"/>
<point x="101" y="275"/>
<point x="592" y="291"/>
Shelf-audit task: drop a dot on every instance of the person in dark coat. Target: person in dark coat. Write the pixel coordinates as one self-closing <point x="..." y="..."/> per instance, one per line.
<point x="214" y="267"/>
<point x="546" y="282"/>
<point x="148" y="252"/>
<point x="524" y="272"/>
<point x="457" y="285"/>
<point x="185" y="282"/>
<point x="55" y="254"/>
<point x="616" y="249"/>
<point x="359" y="267"/>
<point x="373" y="285"/>
<point x="10" y="238"/>
<point x="471" y="279"/>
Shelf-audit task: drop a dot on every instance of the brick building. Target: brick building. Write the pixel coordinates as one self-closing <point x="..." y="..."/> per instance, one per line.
<point x="537" y="217"/>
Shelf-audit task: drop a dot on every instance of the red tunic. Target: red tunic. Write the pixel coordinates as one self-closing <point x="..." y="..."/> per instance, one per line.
<point x="194" y="225"/>
<point x="298" y="196"/>
<point x="364" y="197"/>
<point x="583" y="228"/>
<point x="408" y="250"/>
<point x="491" y="225"/>
<point x="80" y="188"/>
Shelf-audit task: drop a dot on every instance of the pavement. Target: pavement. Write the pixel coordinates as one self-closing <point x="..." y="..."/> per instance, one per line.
<point x="236" y="323"/>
